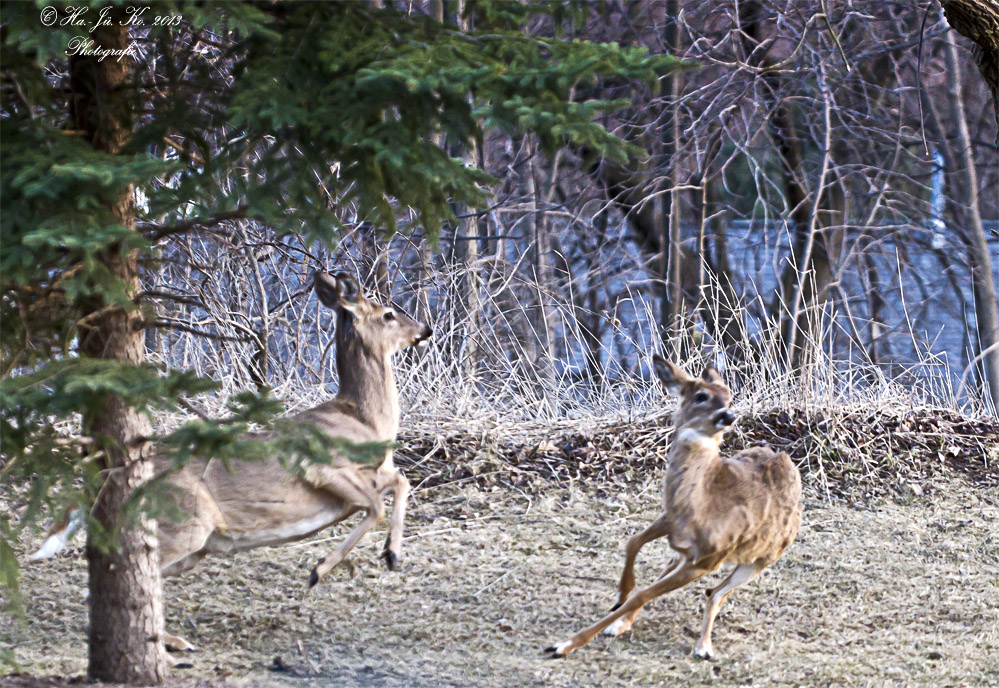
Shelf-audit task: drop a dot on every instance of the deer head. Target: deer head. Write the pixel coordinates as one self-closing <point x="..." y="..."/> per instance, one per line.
<point x="379" y="331"/>
<point x="704" y="401"/>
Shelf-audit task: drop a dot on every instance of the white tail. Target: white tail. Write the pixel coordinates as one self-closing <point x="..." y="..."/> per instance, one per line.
<point x="744" y="510"/>
<point x="60" y="534"/>
<point x="253" y="504"/>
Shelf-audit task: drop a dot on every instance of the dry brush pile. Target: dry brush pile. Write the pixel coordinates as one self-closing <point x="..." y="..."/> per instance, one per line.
<point x="853" y="452"/>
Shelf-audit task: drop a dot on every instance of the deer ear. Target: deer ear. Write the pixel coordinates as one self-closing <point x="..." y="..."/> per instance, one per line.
<point x="339" y="291"/>
<point x="712" y="375"/>
<point x="350" y="290"/>
<point x="326" y="289"/>
<point x="670" y="374"/>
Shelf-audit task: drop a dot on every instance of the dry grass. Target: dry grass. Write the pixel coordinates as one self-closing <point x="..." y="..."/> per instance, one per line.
<point x="897" y="590"/>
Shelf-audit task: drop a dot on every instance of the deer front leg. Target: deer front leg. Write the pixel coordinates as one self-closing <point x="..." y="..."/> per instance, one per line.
<point x="658" y="529"/>
<point x="624" y="624"/>
<point x="393" y="543"/>
<point x="684" y="573"/>
<point x="352" y="492"/>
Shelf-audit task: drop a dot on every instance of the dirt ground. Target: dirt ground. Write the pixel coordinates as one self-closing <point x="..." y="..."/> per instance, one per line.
<point x="901" y="592"/>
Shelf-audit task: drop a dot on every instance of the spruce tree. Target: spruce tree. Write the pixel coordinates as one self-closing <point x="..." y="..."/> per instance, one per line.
<point x="208" y="113"/>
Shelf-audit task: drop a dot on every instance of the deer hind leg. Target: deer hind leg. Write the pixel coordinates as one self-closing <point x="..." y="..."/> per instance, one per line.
<point x="742" y="574"/>
<point x="400" y="488"/>
<point x="182" y="545"/>
<point x="685" y="572"/>
<point x="352" y="490"/>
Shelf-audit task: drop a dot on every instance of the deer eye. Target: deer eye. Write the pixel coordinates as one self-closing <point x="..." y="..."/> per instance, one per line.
<point x="701" y="397"/>
<point x="389" y="316"/>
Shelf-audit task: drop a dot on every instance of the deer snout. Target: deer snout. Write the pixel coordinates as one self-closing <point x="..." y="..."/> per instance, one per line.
<point x="425" y="334"/>
<point x="723" y="418"/>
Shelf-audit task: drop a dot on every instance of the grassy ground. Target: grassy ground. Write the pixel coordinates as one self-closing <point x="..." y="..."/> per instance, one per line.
<point x="901" y="591"/>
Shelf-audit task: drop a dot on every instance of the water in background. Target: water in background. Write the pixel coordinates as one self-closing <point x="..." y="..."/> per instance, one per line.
<point x="927" y="318"/>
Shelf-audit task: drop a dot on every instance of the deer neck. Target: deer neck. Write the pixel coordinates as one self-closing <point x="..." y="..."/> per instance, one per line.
<point x="693" y="452"/>
<point x="367" y="387"/>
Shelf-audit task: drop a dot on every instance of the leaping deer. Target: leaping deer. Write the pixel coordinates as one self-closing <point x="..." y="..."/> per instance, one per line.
<point x="254" y="504"/>
<point x="745" y="509"/>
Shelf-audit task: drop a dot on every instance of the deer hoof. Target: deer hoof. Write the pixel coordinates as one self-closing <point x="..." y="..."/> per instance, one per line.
<point x="558" y="651"/>
<point x="702" y="653"/>
<point x="314" y="576"/>
<point x="616" y="606"/>
<point x="391" y="560"/>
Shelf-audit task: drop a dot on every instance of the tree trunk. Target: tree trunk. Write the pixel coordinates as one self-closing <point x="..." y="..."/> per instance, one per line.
<point x="722" y="317"/>
<point x="542" y="313"/>
<point x="807" y="276"/>
<point x="877" y="350"/>
<point x="425" y="253"/>
<point x="671" y="306"/>
<point x="126" y="608"/>
<point x="375" y="262"/>
<point x="637" y="187"/>
<point x="469" y="248"/>
<point x="469" y="283"/>
<point x="979" y="21"/>
<point x="259" y="362"/>
<point x="591" y="321"/>
<point x="808" y="272"/>
<point x="982" y="277"/>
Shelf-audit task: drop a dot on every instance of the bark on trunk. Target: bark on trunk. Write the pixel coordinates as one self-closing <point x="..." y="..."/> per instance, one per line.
<point x="126" y="610"/>
<point x="978" y="20"/>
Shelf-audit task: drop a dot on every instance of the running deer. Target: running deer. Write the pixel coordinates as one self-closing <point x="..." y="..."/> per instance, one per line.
<point x="255" y="504"/>
<point x="744" y="510"/>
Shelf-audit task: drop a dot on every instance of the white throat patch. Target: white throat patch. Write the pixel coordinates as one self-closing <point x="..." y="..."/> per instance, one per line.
<point x="694" y="439"/>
